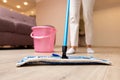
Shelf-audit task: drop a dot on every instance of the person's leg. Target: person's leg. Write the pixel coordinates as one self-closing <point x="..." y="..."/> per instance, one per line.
<point x="74" y="24"/>
<point x="88" y="6"/>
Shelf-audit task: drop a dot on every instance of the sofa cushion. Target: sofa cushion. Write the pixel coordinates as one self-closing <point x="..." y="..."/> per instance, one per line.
<point x="22" y="18"/>
<point x="7" y="37"/>
<point x="6" y="25"/>
<point x="29" y="20"/>
<point x="23" y="28"/>
<point x="14" y="39"/>
<point x="23" y="39"/>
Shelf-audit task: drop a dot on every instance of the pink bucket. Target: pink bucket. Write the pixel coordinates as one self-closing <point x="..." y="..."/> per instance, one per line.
<point x="44" y="38"/>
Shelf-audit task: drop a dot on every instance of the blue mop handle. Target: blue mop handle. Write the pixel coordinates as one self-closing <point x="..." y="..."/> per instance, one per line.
<point x="66" y="24"/>
<point x="64" y="47"/>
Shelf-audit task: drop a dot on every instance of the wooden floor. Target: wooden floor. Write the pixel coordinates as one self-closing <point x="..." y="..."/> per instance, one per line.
<point x="9" y="71"/>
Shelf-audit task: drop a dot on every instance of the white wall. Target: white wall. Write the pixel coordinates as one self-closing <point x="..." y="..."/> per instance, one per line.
<point x="52" y="12"/>
<point x="106" y="20"/>
<point x="107" y="27"/>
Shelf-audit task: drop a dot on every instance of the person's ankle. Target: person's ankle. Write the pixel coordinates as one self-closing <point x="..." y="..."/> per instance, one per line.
<point x="89" y="46"/>
<point x="89" y="49"/>
<point x="74" y="47"/>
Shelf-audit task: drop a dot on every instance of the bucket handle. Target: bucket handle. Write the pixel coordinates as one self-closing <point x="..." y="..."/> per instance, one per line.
<point x="38" y="37"/>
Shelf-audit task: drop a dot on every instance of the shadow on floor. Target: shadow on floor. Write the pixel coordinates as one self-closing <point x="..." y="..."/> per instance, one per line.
<point x="15" y="47"/>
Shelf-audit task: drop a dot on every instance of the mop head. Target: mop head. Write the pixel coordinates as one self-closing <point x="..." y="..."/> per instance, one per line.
<point x="56" y="59"/>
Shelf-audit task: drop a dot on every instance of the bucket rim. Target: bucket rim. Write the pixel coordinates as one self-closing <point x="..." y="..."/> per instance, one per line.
<point x="44" y="26"/>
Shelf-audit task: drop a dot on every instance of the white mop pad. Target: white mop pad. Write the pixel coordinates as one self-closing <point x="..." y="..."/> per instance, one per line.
<point x="57" y="60"/>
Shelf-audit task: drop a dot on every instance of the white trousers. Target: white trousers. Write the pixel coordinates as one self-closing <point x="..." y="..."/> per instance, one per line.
<point x="74" y="20"/>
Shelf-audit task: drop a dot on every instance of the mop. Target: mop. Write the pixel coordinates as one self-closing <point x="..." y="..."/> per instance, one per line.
<point x="56" y="59"/>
